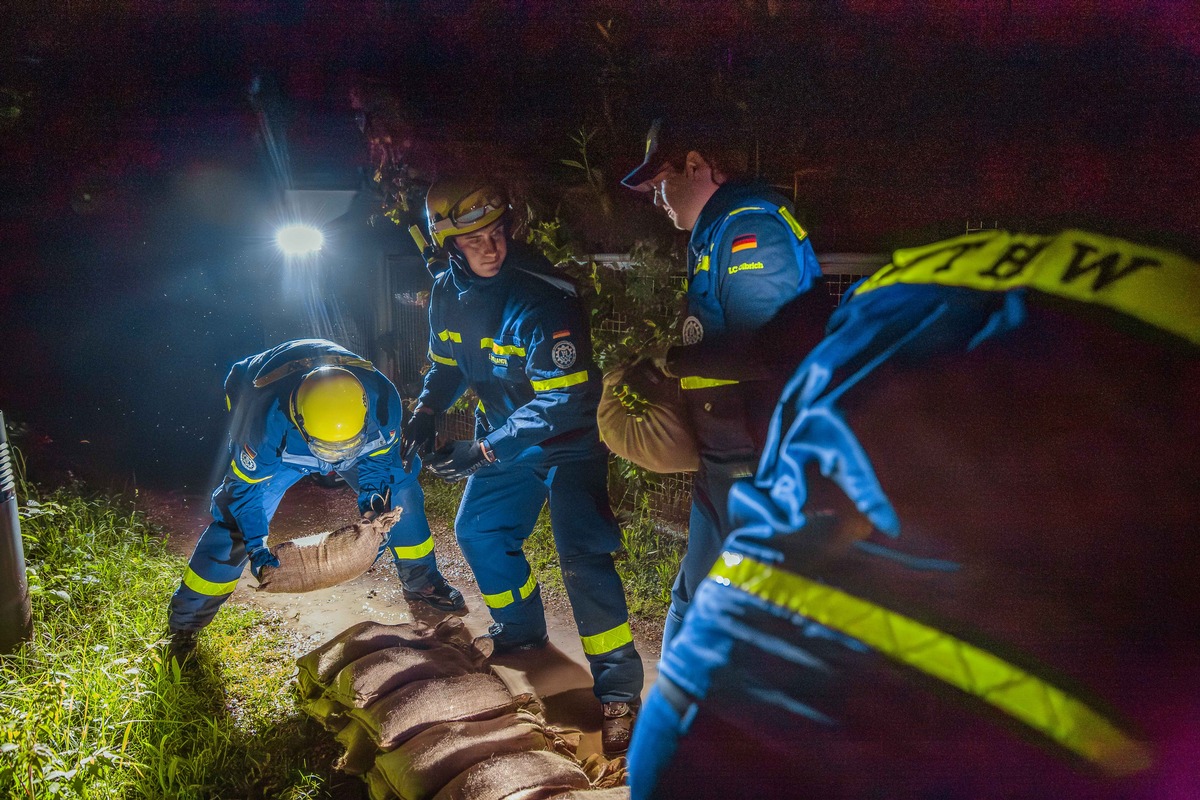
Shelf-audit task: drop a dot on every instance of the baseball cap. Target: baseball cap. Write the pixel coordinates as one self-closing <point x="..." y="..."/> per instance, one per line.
<point x="659" y="150"/>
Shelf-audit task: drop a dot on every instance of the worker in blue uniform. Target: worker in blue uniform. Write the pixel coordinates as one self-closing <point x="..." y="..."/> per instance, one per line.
<point x="505" y="326"/>
<point x="306" y="406"/>
<point x="748" y="258"/>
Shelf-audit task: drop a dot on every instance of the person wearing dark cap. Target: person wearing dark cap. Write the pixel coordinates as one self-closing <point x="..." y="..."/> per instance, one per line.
<point x="747" y="259"/>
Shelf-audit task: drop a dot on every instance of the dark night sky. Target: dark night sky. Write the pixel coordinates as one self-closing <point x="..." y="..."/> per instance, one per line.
<point x="136" y="201"/>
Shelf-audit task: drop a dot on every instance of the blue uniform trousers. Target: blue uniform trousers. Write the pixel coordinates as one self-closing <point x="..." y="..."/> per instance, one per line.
<point x="708" y="525"/>
<point x="220" y="555"/>
<point x="499" y="509"/>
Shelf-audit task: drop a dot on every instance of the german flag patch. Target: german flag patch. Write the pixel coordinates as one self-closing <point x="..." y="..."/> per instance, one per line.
<point x="747" y="241"/>
<point x="560" y="334"/>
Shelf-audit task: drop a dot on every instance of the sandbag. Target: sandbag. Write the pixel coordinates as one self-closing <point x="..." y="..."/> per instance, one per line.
<point x="365" y="680"/>
<point x="424" y="764"/>
<point x="327" y="559"/>
<point x="403" y="713"/>
<point x="525" y="776"/>
<point x="642" y="419"/>
<point x="318" y="667"/>
<point x="611" y="793"/>
<point x="358" y="755"/>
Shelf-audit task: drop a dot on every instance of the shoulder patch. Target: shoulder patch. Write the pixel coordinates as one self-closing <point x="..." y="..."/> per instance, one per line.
<point x="693" y="330"/>
<point x="247" y="458"/>
<point x="563" y="354"/>
<point x="560" y="334"/>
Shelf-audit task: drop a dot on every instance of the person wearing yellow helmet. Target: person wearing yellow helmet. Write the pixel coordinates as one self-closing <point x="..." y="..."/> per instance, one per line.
<point x="304" y="407"/>
<point x="506" y="326"/>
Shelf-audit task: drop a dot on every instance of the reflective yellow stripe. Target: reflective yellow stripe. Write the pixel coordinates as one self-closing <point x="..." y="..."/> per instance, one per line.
<point x="453" y="336"/>
<point x="450" y="362"/>
<point x="208" y="588"/>
<point x="703" y="265"/>
<point x="801" y="234"/>
<point x="506" y="598"/>
<point x="1035" y="702"/>
<point x="228" y="405"/>
<point x="745" y="208"/>
<point x="479" y="406"/>
<point x="559" y="383"/>
<point x="501" y="349"/>
<point x="244" y="476"/>
<point x="702" y="383"/>
<point x="381" y="452"/>
<point x="416" y="551"/>
<point x="1156" y="286"/>
<point x="608" y="641"/>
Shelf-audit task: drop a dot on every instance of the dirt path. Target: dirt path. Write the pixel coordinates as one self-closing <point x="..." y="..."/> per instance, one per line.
<point x="559" y="673"/>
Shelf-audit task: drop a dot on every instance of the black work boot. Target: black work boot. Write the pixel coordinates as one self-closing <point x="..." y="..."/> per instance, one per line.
<point x="617" y="728"/>
<point x="181" y="645"/>
<point x="440" y="595"/>
<point x="501" y="643"/>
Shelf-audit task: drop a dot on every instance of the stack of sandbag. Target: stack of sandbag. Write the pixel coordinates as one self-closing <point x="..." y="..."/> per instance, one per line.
<point x="421" y="714"/>
<point x="327" y="559"/>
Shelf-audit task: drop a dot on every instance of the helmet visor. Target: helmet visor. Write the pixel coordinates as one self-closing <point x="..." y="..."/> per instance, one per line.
<point x="336" y="452"/>
<point x="456" y="222"/>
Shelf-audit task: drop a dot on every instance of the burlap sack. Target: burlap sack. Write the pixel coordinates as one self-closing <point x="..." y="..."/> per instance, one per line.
<point x="318" y="668"/>
<point x="403" y="713"/>
<point x="363" y="681"/>
<point x="329" y="713"/>
<point x="612" y="793"/>
<point x="327" y="559"/>
<point x="360" y="751"/>
<point x="525" y="776"/>
<point x="642" y="419"/>
<point x="420" y="767"/>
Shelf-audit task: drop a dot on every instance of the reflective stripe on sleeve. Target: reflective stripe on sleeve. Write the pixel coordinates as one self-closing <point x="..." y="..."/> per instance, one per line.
<point x="606" y="642"/>
<point x="800" y="233"/>
<point x="506" y="598"/>
<point x="450" y="336"/>
<point x="695" y="382"/>
<point x="559" y="383"/>
<point x="415" y="551"/>
<point x="450" y="362"/>
<point x="205" y="587"/>
<point x="501" y="349"/>
<point x="1018" y="693"/>
<point x="244" y="476"/>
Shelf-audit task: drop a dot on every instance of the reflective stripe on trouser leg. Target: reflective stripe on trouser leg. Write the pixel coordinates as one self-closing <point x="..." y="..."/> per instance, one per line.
<point x="212" y="574"/>
<point x="410" y="541"/>
<point x="586" y="533"/>
<point x="499" y="508"/>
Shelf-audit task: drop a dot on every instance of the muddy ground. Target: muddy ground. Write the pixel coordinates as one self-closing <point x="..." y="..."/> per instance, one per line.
<point x="559" y="673"/>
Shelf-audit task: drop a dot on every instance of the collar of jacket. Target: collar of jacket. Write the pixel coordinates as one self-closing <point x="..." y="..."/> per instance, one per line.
<point x="728" y="196"/>
<point x="520" y="257"/>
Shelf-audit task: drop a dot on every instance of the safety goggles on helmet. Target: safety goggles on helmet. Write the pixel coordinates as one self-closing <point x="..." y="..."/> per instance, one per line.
<point x="334" y="452"/>
<point x="458" y="206"/>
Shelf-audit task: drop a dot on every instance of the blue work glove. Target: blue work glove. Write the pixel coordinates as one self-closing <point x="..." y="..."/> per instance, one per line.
<point x="419" y="434"/>
<point x="262" y="557"/>
<point x="458" y="460"/>
<point x="376" y="504"/>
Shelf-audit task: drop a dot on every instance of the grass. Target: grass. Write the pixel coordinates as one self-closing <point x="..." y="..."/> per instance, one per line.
<point x="88" y="709"/>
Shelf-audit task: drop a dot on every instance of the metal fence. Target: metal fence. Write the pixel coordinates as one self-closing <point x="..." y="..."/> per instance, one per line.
<point x="668" y="496"/>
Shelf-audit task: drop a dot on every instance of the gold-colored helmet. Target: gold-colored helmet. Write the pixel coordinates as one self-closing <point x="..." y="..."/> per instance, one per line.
<point x="330" y="409"/>
<point x="461" y="205"/>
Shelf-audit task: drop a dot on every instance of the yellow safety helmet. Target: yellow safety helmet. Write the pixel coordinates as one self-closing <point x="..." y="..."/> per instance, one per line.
<point x="330" y="409"/>
<point x="461" y="205"/>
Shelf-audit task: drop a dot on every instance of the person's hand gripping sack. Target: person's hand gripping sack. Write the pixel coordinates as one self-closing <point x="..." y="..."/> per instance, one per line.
<point x="418" y="436"/>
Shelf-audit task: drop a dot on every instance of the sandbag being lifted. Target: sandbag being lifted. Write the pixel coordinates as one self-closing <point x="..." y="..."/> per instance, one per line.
<point x="642" y="419"/>
<point x="327" y="559"/>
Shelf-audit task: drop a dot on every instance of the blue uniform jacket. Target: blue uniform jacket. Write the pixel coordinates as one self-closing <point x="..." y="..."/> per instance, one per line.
<point x="521" y="341"/>
<point x="747" y="258"/>
<point x="263" y="440"/>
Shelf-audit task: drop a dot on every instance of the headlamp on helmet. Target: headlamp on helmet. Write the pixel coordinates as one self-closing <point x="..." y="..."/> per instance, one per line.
<point x="462" y="205"/>
<point x="329" y="408"/>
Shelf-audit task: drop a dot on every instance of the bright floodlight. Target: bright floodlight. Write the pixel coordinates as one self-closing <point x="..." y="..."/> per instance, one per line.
<point x="299" y="240"/>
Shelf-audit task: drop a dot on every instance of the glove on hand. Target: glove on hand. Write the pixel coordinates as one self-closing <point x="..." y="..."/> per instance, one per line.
<point x="377" y="504"/>
<point x="457" y="460"/>
<point x="419" y="434"/>
<point x="262" y="557"/>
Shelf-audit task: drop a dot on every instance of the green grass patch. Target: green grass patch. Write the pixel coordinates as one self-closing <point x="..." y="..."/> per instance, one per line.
<point x="88" y="709"/>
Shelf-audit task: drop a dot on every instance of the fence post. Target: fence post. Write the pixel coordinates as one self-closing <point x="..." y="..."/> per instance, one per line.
<point x="16" y="619"/>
